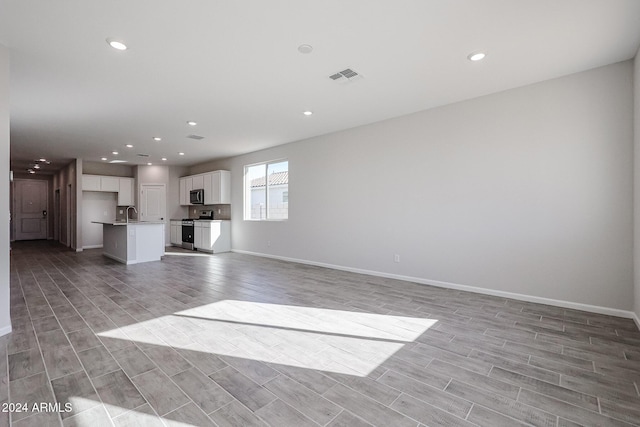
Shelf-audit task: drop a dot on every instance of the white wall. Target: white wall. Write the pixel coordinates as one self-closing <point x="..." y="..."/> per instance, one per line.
<point x="527" y="191"/>
<point x="96" y="206"/>
<point x="5" y="319"/>
<point x="636" y="151"/>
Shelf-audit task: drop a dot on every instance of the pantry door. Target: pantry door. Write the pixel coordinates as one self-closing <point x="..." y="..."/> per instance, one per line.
<point x="152" y="202"/>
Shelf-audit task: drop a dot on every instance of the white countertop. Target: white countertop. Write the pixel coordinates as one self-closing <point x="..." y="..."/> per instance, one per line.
<point x="131" y="222"/>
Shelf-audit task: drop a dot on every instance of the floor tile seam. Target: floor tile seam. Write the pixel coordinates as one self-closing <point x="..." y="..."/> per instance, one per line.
<point x="46" y="372"/>
<point x="285" y="403"/>
<point x="568" y="365"/>
<point x="511" y="417"/>
<point x="428" y="405"/>
<point x="165" y="374"/>
<point x="335" y="416"/>
<point x="374" y="400"/>
<point x="599" y="413"/>
<point x="444" y="390"/>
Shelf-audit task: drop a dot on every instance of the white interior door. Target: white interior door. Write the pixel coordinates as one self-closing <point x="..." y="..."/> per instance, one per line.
<point x="152" y="202"/>
<point x="30" y="209"/>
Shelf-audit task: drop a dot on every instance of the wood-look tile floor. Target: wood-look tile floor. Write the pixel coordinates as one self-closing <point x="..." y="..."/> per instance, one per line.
<point x="236" y="340"/>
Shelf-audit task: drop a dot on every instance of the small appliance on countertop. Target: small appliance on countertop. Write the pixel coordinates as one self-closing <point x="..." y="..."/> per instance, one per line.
<point x="206" y="215"/>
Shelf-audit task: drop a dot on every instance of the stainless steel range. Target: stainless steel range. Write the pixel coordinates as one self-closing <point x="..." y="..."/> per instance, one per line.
<point x="187" y="233"/>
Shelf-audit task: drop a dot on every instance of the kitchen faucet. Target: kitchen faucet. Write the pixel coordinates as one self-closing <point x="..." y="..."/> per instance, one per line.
<point x="134" y="209"/>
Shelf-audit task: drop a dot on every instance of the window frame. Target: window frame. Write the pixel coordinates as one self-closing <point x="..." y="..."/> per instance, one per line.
<point x="246" y="199"/>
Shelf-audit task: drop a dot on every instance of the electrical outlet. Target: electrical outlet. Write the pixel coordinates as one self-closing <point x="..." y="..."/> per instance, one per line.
<point x="121" y="211"/>
<point x="396" y="258"/>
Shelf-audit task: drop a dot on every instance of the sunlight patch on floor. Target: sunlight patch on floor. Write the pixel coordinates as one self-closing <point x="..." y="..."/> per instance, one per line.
<point x="316" y="338"/>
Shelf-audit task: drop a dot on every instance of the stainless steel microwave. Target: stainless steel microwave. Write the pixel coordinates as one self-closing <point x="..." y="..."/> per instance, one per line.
<point x="196" y="197"/>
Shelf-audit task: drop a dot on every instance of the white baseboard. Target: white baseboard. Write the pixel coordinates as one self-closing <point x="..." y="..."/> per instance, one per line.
<point x="6" y="330"/>
<point x="521" y="297"/>
<point x="92" y="247"/>
<point x="636" y="319"/>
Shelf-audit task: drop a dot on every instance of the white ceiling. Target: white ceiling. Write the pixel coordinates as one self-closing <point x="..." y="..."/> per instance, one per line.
<point x="234" y="67"/>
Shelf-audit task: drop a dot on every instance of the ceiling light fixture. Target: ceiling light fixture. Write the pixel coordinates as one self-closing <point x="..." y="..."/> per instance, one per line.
<point x="305" y="48"/>
<point x="149" y="164"/>
<point x="476" y="56"/>
<point x="104" y="159"/>
<point x="164" y="159"/>
<point x="157" y="138"/>
<point x="307" y="113"/>
<point x="129" y="146"/>
<point x="31" y="171"/>
<point x="42" y="160"/>
<point x="117" y="44"/>
<point x="36" y="166"/>
<point x="181" y="153"/>
<point x="115" y="153"/>
<point x="191" y="123"/>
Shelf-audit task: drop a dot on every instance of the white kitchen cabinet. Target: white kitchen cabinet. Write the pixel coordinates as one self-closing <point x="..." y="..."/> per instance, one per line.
<point x="186" y="185"/>
<point x="125" y="192"/>
<point x="110" y="184"/>
<point x="90" y="183"/>
<point x="212" y="236"/>
<point x="197" y="182"/>
<point x="198" y="229"/>
<point x="216" y="185"/>
<point x="217" y="188"/>
<point x="175" y="235"/>
<point x="184" y="197"/>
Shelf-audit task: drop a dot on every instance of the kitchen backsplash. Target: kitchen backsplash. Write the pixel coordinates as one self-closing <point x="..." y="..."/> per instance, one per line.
<point x="225" y="211"/>
<point x="121" y="213"/>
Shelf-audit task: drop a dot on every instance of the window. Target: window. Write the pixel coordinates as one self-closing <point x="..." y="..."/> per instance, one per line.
<point x="266" y="191"/>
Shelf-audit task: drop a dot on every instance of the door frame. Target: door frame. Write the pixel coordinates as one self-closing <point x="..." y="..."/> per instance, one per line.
<point x="149" y="184"/>
<point x="14" y="223"/>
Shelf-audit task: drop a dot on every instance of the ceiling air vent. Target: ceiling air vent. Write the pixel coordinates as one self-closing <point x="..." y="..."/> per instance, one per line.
<point x="143" y="155"/>
<point x="196" y="137"/>
<point x="345" y="76"/>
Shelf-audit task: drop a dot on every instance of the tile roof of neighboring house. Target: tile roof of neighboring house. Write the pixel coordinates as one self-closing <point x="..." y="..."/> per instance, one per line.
<point x="276" y="178"/>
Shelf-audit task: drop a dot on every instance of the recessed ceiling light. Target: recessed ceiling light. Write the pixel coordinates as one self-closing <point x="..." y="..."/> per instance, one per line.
<point x="305" y="48"/>
<point x="36" y="166"/>
<point x="164" y="159"/>
<point x="149" y="164"/>
<point x="42" y="160"/>
<point x="181" y="154"/>
<point x="129" y="146"/>
<point x="157" y="138"/>
<point x="476" y="56"/>
<point x="307" y="113"/>
<point x="116" y="44"/>
<point x="191" y="123"/>
<point x="104" y="159"/>
<point x="115" y="153"/>
<point x="31" y="171"/>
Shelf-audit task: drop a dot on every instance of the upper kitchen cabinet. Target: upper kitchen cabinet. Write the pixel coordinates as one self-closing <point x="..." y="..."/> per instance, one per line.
<point x="197" y="182"/>
<point x="101" y="183"/>
<point x="125" y="192"/>
<point x="186" y="185"/>
<point x="216" y="185"/>
<point x="111" y="184"/>
<point x="217" y="188"/>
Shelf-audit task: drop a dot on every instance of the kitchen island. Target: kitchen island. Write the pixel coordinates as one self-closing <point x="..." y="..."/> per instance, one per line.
<point x="133" y="242"/>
